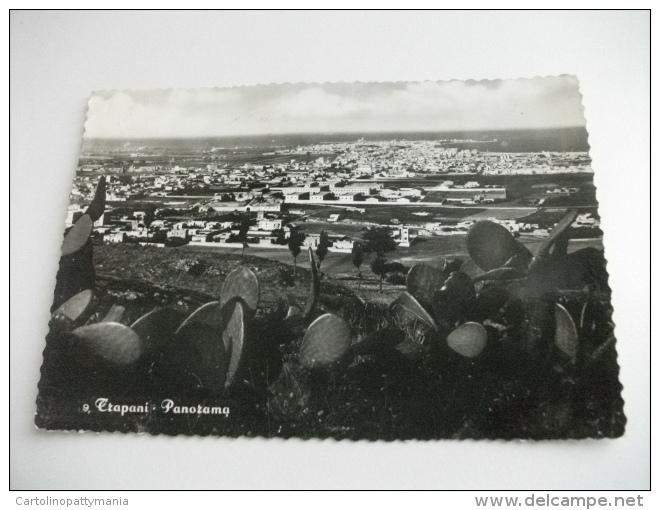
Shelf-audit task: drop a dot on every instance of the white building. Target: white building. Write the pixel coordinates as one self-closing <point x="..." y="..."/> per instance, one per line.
<point x="268" y="224"/>
<point x="349" y="197"/>
<point x="114" y="237"/>
<point x="342" y="246"/>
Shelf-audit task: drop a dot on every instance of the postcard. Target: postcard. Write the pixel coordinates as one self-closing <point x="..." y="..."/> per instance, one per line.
<point x="380" y="261"/>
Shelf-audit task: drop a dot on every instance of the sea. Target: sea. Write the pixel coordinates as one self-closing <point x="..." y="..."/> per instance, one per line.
<point x="572" y="139"/>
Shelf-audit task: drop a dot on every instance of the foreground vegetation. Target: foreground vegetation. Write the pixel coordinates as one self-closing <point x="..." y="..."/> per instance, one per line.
<point x="406" y="385"/>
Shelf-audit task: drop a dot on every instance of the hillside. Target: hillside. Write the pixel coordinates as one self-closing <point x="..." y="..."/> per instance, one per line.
<point x="199" y="276"/>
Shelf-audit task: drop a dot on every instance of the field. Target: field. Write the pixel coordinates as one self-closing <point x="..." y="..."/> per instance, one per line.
<point x="383" y="214"/>
<point x="501" y="213"/>
<point x="340" y="265"/>
<point x="186" y="158"/>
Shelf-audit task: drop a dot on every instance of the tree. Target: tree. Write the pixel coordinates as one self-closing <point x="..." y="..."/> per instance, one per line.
<point x="174" y="242"/>
<point x="279" y="235"/>
<point x="149" y="215"/>
<point x="242" y="233"/>
<point x="379" y="240"/>
<point x="296" y="239"/>
<point x="396" y="273"/>
<point x="160" y="236"/>
<point x="379" y="267"/>
<point x="397" y="267"/>
<point x="358" y="257"/>
<point x="322" y="248"/>
<point x="242" y="236"/>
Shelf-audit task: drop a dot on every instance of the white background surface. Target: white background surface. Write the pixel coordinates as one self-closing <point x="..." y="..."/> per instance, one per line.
<point x="58" y="58"/>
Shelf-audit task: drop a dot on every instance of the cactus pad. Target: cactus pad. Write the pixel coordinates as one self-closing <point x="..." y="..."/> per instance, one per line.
<point x="293" y="311"/>
<point x="423" y="280"/>
<point x="377" y="342"/>
<point x="448" y="310"/>
<point x="233" y="337"/>
<point x="75" y="306"/>
<point x="491" y="246"/>
<point x="293" y="326"/>
<point x="559" y="229"/>
<point x="97" y="206"/>
<point x="115" y="314"/>
<point x="201" y="347"/>
<point x="201" y="352"/>
<point x="209" y="314"/>
<point x="490" y="301"/>
<point x="78" y="235"/>
<point x="325" y="342"/>
<point x="500" y="274"/>
<point x="459" y="286"/>
<point x="314" y="287"/>
<point x="407" y="307"/>
<point x="114" y="342"/>
<point x="449" y="266"/>
<point x="566" y="336"/>
<point x="242" y="283"/>
<point x="468" y="339"/>
<point x="157" y="326"/>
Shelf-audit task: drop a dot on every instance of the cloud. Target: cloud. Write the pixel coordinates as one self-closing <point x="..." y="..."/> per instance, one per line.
<point x="424" y="106"/>
<point x="316" y="103"/>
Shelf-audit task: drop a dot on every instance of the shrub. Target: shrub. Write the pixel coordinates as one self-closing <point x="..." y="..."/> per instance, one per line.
<point x="195" y="267"/>
<point x="396" y="279"/>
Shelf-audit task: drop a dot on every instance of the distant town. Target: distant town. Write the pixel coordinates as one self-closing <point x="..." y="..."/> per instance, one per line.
<point x="231" y="197"/>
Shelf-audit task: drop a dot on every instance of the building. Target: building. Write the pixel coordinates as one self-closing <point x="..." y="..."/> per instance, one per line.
<point x="114" y="237"/>
<point x="270" y="224"/>
<point x="343" y="245"/>
<point x="351" y="196"/>
<point x="299" y="196"/>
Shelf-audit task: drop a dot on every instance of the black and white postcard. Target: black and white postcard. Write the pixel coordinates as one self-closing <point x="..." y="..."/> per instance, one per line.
<point x="381" y="261"/>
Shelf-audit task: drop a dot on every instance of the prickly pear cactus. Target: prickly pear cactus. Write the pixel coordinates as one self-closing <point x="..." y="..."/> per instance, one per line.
<point x="490" y="302"/>
<point x="406" y="306"/>
<point x="314" y="288"/>
<point x="114" y="342"/>
<point x="294" y="324"/>
<point x="377" y="342"/>
<point x="242" y="283"/>
<point x="295" y="321"/>
<point x="566" y="335"/>
<point x="423" y="280"/>
<point x="201" y="347"/>
<point x="97" y="206"/>
<point x="491" y="246"/>
<point x="76" y="271"/>
<point x="468" y="339"/>
<point x="557" y="233"/>
<point x="209" y="314"/>
<point x="75" y="306"/>
<point x="115" y="314"/>
<point x="459" y="286"/>
<point x="293" y="311"/>
<point x="157" y="327"/>
<point x="500" y="274"/>
<point x="325" y="342"/>
<point x="233" y="337"/>
<point x="78" y="235"/>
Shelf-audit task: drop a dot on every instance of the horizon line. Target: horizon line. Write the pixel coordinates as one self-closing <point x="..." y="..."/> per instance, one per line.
<point x="331" y="133"/>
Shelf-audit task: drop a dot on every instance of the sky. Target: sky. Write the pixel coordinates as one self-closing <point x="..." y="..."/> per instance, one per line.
<point x="550" y="102"/>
